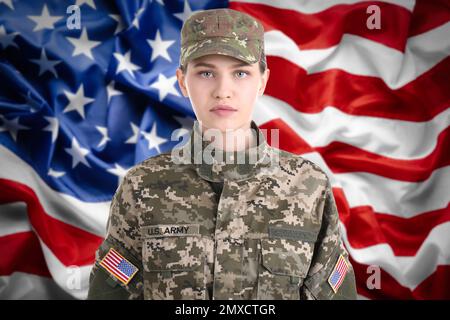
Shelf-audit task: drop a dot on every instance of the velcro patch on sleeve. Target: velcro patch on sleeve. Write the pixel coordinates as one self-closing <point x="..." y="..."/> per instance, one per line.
<point x="339" y="272"/>
<point x="119" y="267"/>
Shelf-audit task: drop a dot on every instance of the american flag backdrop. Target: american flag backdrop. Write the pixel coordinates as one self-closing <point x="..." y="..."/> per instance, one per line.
<point x="367" y="102"/>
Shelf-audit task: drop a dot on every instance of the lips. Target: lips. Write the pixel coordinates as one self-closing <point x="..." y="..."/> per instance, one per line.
<point x="223" y="107"/>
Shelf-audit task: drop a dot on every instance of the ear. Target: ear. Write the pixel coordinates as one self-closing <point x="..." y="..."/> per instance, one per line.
<point x="181" y="82"/>
<point x="264" y="80"/>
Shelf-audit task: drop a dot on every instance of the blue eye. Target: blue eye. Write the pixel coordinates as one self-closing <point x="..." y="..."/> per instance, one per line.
<point x="203" y="72"/>
<point x="244" y="72"/>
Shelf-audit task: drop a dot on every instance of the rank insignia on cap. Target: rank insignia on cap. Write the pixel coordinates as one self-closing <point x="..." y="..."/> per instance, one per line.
<point x="118" y="266"/>
<point x="337" y="276"/>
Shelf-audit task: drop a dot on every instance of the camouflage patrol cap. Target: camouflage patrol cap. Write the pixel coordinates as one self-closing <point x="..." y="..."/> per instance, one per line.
<point x="222" y="31"/>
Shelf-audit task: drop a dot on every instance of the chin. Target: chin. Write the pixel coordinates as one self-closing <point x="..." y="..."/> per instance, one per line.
<point x="225" y="124"/>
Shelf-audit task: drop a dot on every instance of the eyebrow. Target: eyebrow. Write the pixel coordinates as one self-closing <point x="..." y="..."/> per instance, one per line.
<point x="204" y="64"/>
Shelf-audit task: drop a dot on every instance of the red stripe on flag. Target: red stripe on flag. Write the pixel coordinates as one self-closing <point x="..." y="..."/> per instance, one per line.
<point x="113" y="266"/>
<point x="112" y="259"/>
<point x="403" y="235"/>
<point x="360" y="95"/>
<point x="22" y="252"/>
<point x="429" y="14"/>
<point x="429" y="289"/>
<point x="341" y="158"/>
<point x="113" y="270"/>
<point x="326" y="28"/>
<point x="342" y="269"/>
<point x="116" y="256"/>
<point x="289" y="140"/>
<point x="71" y="245"/>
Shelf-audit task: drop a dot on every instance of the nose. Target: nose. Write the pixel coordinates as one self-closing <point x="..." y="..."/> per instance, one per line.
<point x="224" y="88"/>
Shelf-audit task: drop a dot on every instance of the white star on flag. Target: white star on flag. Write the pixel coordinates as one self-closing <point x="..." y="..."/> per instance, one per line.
<point x="32" y="102"/>
<point x="137" y="17"/>
<point x="165" y="86"/>
<point x="104" y="132"/>
<point x="88" y="2"/>
<point x="55" y="174"/>
<point x="111" y="91"/>
<point x="77" y="101"/>
<point x="186" y="12"/>
<point x="159" y="47"/>
<point x="45" y="20"/>
<point x="118" y="171"/>
<point x="120" y="25"/>
<point x="83" y="45"/>
<point x="7" y="3"/>
<point x="53" y="127"/>
<point x="45" y="64"/>
<point x="7" y="39"/>
<point x="125" y="63"/>
<point x="134" y="138"/>
<point x="153" y="139"/>
<point x="12" y="126"/>
<point x="77" y="153"/>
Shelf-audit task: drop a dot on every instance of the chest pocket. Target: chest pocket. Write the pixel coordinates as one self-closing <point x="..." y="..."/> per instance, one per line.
<point x="283" y="265"/>
<point x="174" y="267"/>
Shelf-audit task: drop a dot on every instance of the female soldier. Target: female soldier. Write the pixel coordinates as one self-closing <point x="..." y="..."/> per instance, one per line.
<point x="223" y="220"/>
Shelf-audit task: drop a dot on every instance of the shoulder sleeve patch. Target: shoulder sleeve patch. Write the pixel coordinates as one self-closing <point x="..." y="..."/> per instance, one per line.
<point x="119" y="267"/>
<point x="338" y="274"/>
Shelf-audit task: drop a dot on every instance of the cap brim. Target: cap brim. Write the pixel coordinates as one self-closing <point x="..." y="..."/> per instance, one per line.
<point x="217" y="46"/>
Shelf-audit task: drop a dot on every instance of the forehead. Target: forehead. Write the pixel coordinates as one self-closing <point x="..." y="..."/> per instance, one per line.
<point x="219" y="61"/>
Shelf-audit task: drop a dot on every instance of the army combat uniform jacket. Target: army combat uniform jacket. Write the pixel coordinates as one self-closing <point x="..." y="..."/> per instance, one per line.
<point x="265" y="230"/>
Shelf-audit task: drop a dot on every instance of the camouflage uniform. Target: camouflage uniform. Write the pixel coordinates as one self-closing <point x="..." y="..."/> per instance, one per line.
<point x="261" y="229"/>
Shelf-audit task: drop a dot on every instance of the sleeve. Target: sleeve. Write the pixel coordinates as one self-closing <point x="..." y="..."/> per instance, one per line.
<point x="121" y="244"/>
<point x="331" y="275"/>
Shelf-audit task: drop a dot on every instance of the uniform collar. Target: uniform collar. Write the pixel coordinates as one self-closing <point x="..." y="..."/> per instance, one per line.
<point x="217" y="170"/>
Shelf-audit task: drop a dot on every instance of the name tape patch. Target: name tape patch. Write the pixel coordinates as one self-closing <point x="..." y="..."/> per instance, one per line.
<point x="170" y="230"/>
<point x="291" y="233"/>
<point x="338" y="275"/>
<point x="119" y="267"/>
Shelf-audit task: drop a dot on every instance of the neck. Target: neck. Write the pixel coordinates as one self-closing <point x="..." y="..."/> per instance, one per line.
<point x="231" y="140"/>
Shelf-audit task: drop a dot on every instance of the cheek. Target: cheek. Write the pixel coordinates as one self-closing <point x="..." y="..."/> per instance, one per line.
<point x="198" y="99"/>
<point x="194" y="89"/>
<point x="200" y="92"/>
<point x="249" y="92"/>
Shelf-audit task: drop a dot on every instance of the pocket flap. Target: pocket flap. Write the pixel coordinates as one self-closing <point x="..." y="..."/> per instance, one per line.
<point x="286" y="257"/>
<point x="181" y="253"/>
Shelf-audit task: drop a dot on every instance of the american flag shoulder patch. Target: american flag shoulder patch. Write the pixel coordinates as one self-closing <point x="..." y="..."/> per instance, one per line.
<point x="119" y="267"/>
<point x="338" y="275"/>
